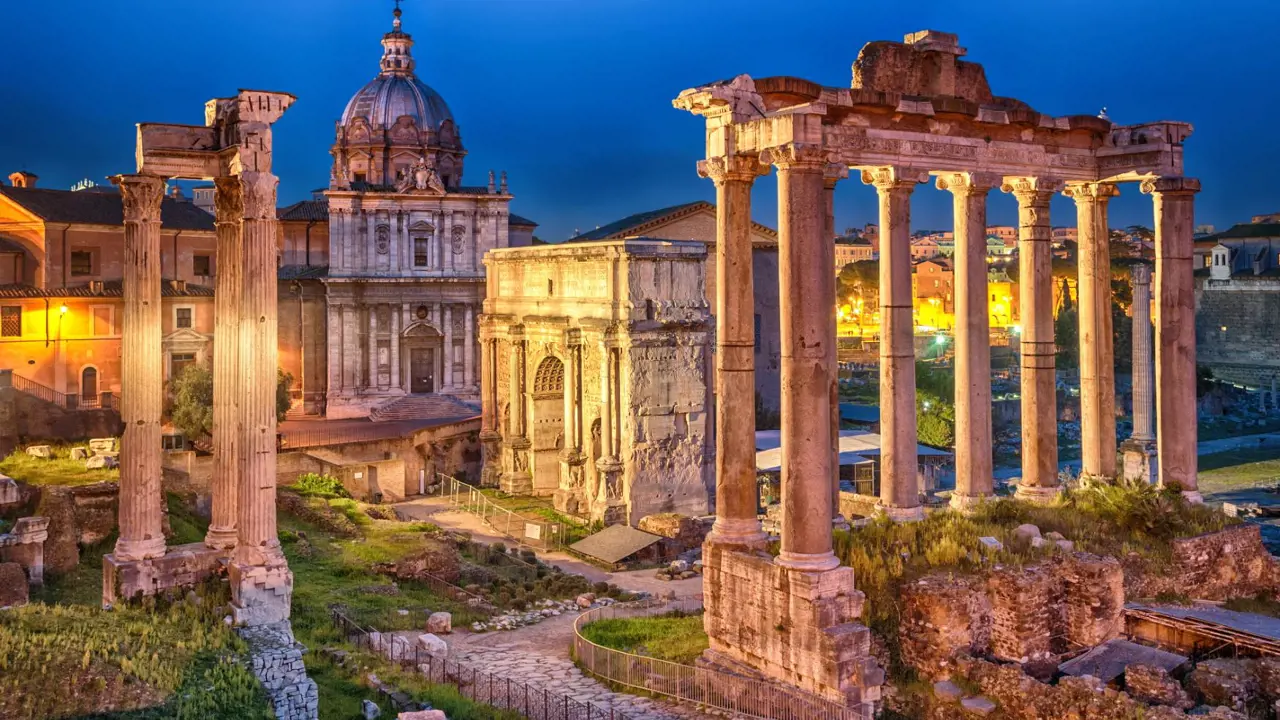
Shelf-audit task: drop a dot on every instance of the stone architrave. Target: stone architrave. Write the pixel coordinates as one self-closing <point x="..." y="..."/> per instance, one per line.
<point x="807" y="296"/>
<point x="227" y="381"/>
<point x="1139" y="450"/>
<point x="1039" y="481"/>
<point x="1097" y="358"/>
<point x="737" y="507"/>
<point x="899" y="488"/>
<point x="974" y="480"/>
<point x="1174" y="200"/>
<point x="142" y="377"/>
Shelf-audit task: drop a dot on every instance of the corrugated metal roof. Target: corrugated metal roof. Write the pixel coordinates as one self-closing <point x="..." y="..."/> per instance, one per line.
<point x="854" y="441"/>
<point x="614" y="543"/>
<point x="1109" y="660"/>
<point x="101" y="208"/>
<point x="1261" y="625"/>
<point x="853" y="412"/>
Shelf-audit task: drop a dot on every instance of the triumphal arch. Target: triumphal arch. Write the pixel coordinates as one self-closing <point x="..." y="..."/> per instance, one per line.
<point x="914" y="110"/>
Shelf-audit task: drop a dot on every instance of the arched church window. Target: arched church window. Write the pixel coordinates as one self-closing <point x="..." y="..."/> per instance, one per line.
<point x="549" y="377"/>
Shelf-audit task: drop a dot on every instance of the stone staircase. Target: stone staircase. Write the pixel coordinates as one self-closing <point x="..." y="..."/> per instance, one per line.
<point x="423" y="407"/>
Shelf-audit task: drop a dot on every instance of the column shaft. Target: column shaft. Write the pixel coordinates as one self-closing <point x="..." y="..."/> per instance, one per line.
<point x="258" y="541"/>
<point x="899" y="487"/>
<point x="395" y="347"/>
<point x="1097" y="361"/>
<point x="142" y="373"/>
<point x="1038" y="349"/>
<point x="447" y="314"/>
<point x="1143" y="378"/>
<point x="737" y="508"/>
<point x="373" y="347"/>
<point x="833" y="175"/>
<point x="227" y="383"/>
<point x="1176" y="414"/>
<point x="807" y="299"/>
<point x="606" y="411"/>
<point x="488" y="384"/>
<point x="468" y="348"/>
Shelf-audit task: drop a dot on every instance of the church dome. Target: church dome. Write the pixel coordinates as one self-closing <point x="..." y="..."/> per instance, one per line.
<point x="389" y="97"/>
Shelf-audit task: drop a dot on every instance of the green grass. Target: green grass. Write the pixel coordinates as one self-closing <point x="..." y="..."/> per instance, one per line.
<point x="1261" y="604"/>
<point x="677" y="637"/>
<point x="59" y="470"/>
<point x="1218" y="429"/>
<point x="1242" y="468"/>
<point x="317" y="485"/>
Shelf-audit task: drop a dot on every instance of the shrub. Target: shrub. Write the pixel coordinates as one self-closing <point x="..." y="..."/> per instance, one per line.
<point x="317" y="485"/>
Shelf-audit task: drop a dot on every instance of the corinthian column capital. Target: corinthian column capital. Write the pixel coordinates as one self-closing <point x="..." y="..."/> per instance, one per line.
<point x="228" y="200"/>
<point x="142" y="195"/>
<point x="1100" y="191"/>
<point x="259" y="190"/>
<point x="1032" y="191"/>
<point x="894" y="177"/>
<point x="735" y="168"/>
<point x="797" y="156"/>
<point x="969" y="183"/>
<point x="1171" y="186"/>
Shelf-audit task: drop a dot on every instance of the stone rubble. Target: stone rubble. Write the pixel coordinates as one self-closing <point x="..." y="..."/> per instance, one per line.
<point x="512" y="619"/>
<point x="1152" y="685"/>
<point x="277" y="663"/>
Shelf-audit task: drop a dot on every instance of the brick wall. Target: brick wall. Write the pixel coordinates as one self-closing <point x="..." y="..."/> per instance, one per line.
<point x="1249" y="308"/>
<point x="1219" y="566"/>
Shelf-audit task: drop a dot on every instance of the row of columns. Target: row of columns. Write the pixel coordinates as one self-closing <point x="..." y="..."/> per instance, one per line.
<point x="357" y="231"/>
<point x="809" y="433"/>
<point x="347" y="362"/>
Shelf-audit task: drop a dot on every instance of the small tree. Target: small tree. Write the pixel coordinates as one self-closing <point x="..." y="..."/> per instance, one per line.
<point x="191" y="406"/>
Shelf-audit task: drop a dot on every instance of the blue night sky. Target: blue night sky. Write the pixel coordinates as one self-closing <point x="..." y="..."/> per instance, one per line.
<point x="573" y="97"/>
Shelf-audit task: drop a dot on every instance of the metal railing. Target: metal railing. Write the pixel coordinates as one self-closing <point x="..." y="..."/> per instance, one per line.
<point x="106" y="400"/>
<point x="533" y="532"/>
<point x="734" y="694"/>
<point x="474" y="684"/>
<point x="321" y="437"/>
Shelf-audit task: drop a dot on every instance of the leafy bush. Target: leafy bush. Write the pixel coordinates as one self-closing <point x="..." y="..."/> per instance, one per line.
<point x="317" y="485"/>
<point x="191" y="404"/>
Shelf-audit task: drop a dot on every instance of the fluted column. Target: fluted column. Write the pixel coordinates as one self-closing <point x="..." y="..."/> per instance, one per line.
<point x="447" y="321"/>
<point x="258" y="543"/>
<point x="833" y="174"/>
<point x="517" y="478"/>
<point x="1143" y="379"/>
<point x="973" y="337"/>
<point x="1038" y="349"/>
<point x="373" y="347"/>
<point x="395" y="347"/>
<point x="737" y="521"/>
<point x="1174" y="200"/>
<point x="807" y="299"/>
<point x="141" y="372"/>
<point x="1097" y="359"/>
<point x="227" y="383"/>
<point x="468" y="347"/>
<point x="899" y="487"/>
<point x="490" y="435"/>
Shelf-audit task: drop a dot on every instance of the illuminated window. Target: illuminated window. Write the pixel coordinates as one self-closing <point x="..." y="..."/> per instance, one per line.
<point x="11" y="321"/>
<point x="81" y="263"/>
<point x="182" y="317"/>
<point x="421" y="252"/>
<point x="201" y="266"/>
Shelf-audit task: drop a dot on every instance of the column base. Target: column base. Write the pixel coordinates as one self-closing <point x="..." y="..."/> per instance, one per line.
<point x="1087" y="479"/>
<point x="1139" y="461"/>
<point x="901" y="514"/>
<point x="516" y="483"/>
<point x="738" y="533"/>
<point x="807" y="562"/>
<point x="840" y="522"/>
<point x="1038" y="495"/>
<point x="138" y="550"/>
<point x="182" y="567"/>
<point x="1193" y="496"/>
<point x="260" y="594"/>
<point x="966" y="503"/>
<point x="220" y="538"/>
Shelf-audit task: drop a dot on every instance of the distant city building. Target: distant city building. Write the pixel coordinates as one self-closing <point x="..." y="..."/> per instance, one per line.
<point x="1238" y="303"/>
<point x="924" y="248"/>
<point x="933" y="286"/>
<point x="1062" y="235"/>
<point x="853" y="249"/>
<point x="1004" y="232"/>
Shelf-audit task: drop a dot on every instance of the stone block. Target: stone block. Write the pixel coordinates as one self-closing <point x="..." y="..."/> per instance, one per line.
<point x="947" y="691"/>
<point x="99" y="446"/>
<point x="422" y="715"/>
<point x="1152" y="685"/>
<point x="991" y="544"/>
<point x="1229" y="683"/>
<point x="9" y="494"/>
<point x="440" y="623"/>
<point x="43" y="452"/>
<point x="979" y="706"/>
<point x="79" y="453"/>
<point x="182" y="566"/>
<point x="260" y="594"/>
<point x="101" y="462"/>
<point x="941" y="617"/>
<point x="14" y="590"/>
<point x="369" y="710"/>
<point x="434" y="646"/>
<point x="585" y="600"/>
<point x="1026" y="532"/>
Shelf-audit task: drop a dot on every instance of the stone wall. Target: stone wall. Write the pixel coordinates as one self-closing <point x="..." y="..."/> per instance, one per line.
<point x="277" y="663"/>
<point x="24" y="418"/>
<point x="1228" y="564"/>
<point x="1024" y="615"/>
<point x="1248" y="307"/>
<point x="78" y="516"/>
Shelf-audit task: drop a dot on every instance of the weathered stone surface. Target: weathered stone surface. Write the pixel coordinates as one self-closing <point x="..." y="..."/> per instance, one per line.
<point x="440" y="623"/>
<point x="13" y="585"/>
<point x="181" y="566"/>
<point x="1153" y="685"/>
<point x="942" y="616"/>
<point x="947" y="691"/>
<point x="1093" y="599"/>
<point x="101" y="446"/>
<point x="1026" y="532"/>
<point x="1229" y="683"/>
<point x="1267" y="672"/>
<point x="277" y="663"/>
<point x="43" y="452"/>
<point x="979" y="706"/>
<point x="433" y="645"/>
<point x="101" y="462"/>
<point x="61" y="550"/>
<point x="1227" y="564"/>
<point x="585" y="600"/>
<point x="369" y="710"/>
<point x="79" y="453"/>
<point x="9" y="493"/>
<point x="1020" y="625"/>
<point x="422" y="715"/>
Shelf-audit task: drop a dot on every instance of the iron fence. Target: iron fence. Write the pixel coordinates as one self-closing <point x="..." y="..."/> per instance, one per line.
<point x="533" y="532"/>
<point x="733" y="694"/>
<point x="66" y="401"/>
<point x="476" y="685"/>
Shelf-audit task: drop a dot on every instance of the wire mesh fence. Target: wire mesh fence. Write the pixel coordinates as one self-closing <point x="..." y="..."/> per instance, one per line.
<point x="482" y="687"/>
<point x="533" y="532"/>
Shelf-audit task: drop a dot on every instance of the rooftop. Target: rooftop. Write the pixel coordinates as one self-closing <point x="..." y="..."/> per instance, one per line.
<point x="640" y="223"/>
<point x="101" y="208"/>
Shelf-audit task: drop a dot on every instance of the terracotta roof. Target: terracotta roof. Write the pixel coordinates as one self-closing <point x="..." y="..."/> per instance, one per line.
<point x="514" y="219"/>
<point x="101" y="208"/>
<point x="853" y="240"/>
<point x="639" y="223"/>
<point x="110" y="289"/>
<point x="305" y="210"/>
<point x="302" y="272"/>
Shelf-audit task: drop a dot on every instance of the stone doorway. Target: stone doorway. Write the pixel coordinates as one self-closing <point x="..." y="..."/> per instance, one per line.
<point x="548" y="425"/>
<point x="89" y="386"/>
<point x="422" y="366"/>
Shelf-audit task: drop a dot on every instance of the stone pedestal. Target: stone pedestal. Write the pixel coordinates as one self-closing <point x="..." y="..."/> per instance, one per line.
<point x="260" y="594"/>
<point x="181" y="567"/>
<point x="24" y="545"/>
<point x="570" y="497"/>
<point x="491" y="452"/>
<point x="797" y="626"/>
<point x="517" y="480"/>
<point x="1139" y="457"/>
<point x="608" y="506"/>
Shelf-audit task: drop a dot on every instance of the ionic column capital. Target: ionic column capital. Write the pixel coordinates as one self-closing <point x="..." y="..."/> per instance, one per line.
<point x="797" y="156"/>
<point x="732" y="168"/>
<point x="142" y="196"/>
<point x="1084" y="191"/>
<point x="969" y="183"/>
<point x="1032" y="191"/>
<point x="892" y="178"/>
<point x="1170" y="186"/>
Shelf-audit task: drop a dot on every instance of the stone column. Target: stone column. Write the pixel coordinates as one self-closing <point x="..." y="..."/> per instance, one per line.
<point x="350" y="350"/>
<point x="261" y="583"/>
<point x="141" y="372"/>
<point x="1097" y="360"/>
<point x="974" y="481"/>
<point x="807" y="299"/>
<point x="1174" y="199"/>
<point x="1138" y="451"/>
<point x="834" y="174"/>
<point x="395" y="347"/>
<point x="373" y="347"/>
<point x="517" y="478"/>
<point x="1039" y="352"/>
<point x="468" y="349"/>
<point x="899" y="488"/>
<point x="446" y="240"/>
<point x="737" y="508"/>
<point x="490" y="433"/>
<point x="227" y="383"/>
<point x="446" y="313"/>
